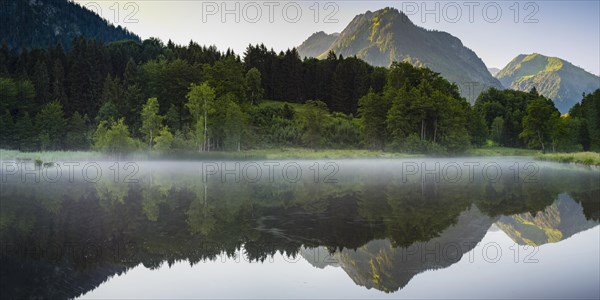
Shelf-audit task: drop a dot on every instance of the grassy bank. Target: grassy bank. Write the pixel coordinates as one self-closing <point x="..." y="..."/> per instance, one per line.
<point x="51" y="155"/>
<point x="500" y="151"/>
<point x="282" y="153"/>
<point x="299" y="153"/>
<point x="586" y="158"/>
<point x="286" y="153"/>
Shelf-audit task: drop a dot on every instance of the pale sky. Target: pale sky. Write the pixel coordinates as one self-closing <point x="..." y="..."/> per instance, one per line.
<point x="497" y="31"/>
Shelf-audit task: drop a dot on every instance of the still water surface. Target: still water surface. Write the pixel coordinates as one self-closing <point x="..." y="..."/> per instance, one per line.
<point x="412" y="228"/>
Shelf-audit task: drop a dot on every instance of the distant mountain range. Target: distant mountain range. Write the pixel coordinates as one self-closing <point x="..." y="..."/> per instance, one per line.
<point x="553" y="77"/>
<point x="493" y="71"/>
<point x="40" y="23"/>
<point x="387" y="35"/>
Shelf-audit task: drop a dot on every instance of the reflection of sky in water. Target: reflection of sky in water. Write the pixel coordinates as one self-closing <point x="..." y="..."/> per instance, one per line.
<point x="172" y="215"/>
<point x="568" y="269"/>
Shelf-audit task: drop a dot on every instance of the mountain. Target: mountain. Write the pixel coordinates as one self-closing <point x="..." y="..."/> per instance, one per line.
<point x="387" y="35"/>
<point x="316" y="44"/>
<point x="553" y="77"/>
<point x="493" y="71"/>
<point x="40" y="23"/>
<point x="555" y="223"/>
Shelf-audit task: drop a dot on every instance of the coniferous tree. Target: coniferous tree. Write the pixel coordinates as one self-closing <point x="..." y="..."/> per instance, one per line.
<point x="373" y="110"/>
<point x="25" y="133"/>
<point x="50" y="123"/>
<point x="76" y="133"/>
<point x="41" y="82"/>
<point x="7" y="133"/>
<point x="58" y="89"/>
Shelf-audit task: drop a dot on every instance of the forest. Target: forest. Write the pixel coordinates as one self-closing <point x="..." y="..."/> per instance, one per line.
<point x="147" y="96"/>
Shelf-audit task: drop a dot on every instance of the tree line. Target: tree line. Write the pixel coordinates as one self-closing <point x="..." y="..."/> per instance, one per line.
<point x="125" y="95"/>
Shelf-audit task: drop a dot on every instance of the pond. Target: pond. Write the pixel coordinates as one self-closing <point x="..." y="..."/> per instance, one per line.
<point x="376" y="228"/>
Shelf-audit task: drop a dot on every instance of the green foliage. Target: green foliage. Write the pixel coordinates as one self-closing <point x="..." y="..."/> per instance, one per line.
<point x="113" y="138"/>
<point x="151" y="120"/>
<point x="342" y="131"/>
<point x="586" y="158"/>
<point x="497" y="129"/>
<point x="8" y="93"/>
<point x="587" y="116"/>
<point x="200" y="103"/>
<point x="510" y="107"/>
<point x="7" y="134"/>
<point x="51" y="123"/>
<point x="313" y="123"/>
<point x="254" y="88"/>
<point x="76" y="133"/>
<point x="373" y="110"/>
<point x="164" y="140"/>
<point x="227" y="123"/>
<point x="226" y="76"/>
<point x="107" y="113"/>
<point x="41" y="82"/>
<point x="17" y="95"/>
<point x="25" y="130"/>
<point x="478" y="129"/>
<point x="538" y="123"/>
<point x="184" y="141"/>
<point x="234" y="125"/>
<point x="169" y="81"/>
<point x="425" y="104"/>
<point x="228" y="108"/>
<point x="274" y="125"/>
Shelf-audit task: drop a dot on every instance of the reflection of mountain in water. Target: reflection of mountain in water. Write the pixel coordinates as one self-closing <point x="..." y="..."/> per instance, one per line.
<point x="368" y="223"/>
<point x="555" y="223"/>
<point x="320" y="257"/>
<point x="380" y="265"/>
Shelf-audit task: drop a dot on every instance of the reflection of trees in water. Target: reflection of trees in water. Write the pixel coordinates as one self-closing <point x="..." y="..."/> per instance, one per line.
<point x="169" y="217"/>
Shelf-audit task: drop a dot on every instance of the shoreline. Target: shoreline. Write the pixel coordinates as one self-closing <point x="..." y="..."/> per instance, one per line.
<point x="580" y="158"/>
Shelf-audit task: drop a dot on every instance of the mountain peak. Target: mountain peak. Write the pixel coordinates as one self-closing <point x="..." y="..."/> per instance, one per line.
<point x="386" y="15"/>
<point x="553" y="77"/>
<point x="387" y="35"/>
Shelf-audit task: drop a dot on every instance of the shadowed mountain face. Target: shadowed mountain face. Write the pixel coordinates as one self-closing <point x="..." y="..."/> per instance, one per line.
<point x="41" y="23"/>
<point x="316" y="44"/>
<point x="64" y="239"/>
<point x="553" y="77"/>
<point x="387" y="35"/>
